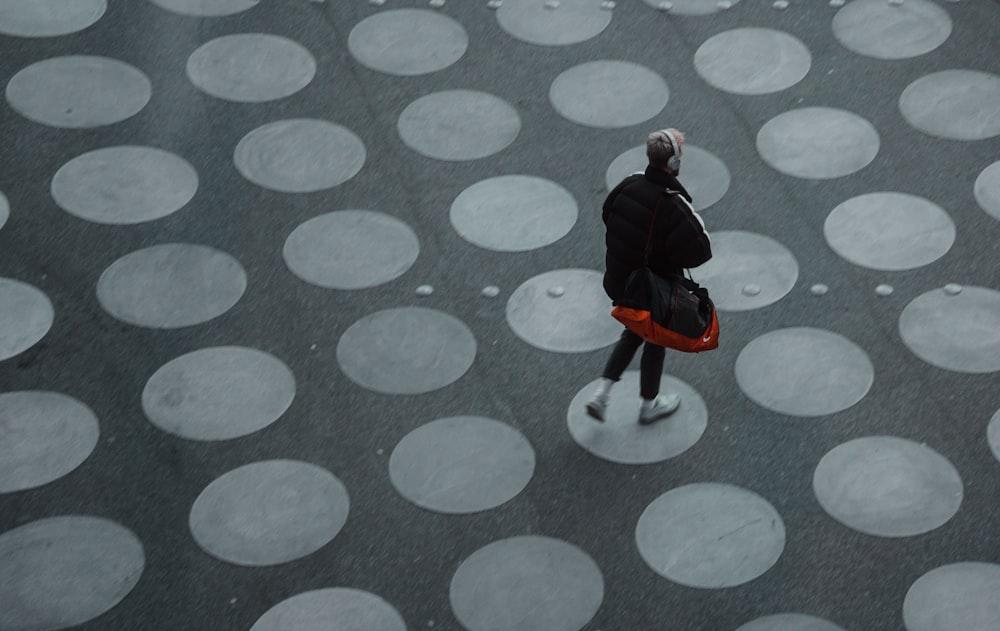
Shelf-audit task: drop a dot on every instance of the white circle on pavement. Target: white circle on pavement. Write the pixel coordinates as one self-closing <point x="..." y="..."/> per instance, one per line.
<point x="124" y="185"/>
<point x="458" y="125"/>
<point x="4" y="210"/>
<point x="993" y="435"/>
<point x="527" y="582"/>
<point x="986" y="189"/>
<point x="514" y="213"/>
<point x="740" y="259"/>
<point x="171" y="285"/>
<point x="218" y="393"/>
<point x="407" y="350"/>
<point x="889" y="231"/>
<point x="63" y="571"/>
<point x="955" y="332"/>
<point x="575" y="320"/>
<point x="251" y="67"/>
<point x="704" y="175"/>
<point x="693" y="7"/>
<point x="206" y="8"/>
<point x="46" y="436"/>
<point x="752" y="61"/>
<point x="818" y="142"/>
<point x="609" y="94"/>
<point x="351" y="249"/>
<point x="299" y="155"/>
<point x="888" y="487"/>
<point x="48" y="18"/>
<point x="269" y="512"/>
<point x="349" y="609"/>
<point x="408" y="42"/>
<point x="710" y="535"/>
<point x="572" y="22"/>
<point x="954" y="104"/>
<point x="79" y="91"/>
<point x="462" y="464"/>
<point x="956" y="597"/>
<point x="620" y="438"/>
<point x="880" y="29"/>
<point x="789" y="622"/>
<point x="804" y="372"/>
<point x="26" y="315"/>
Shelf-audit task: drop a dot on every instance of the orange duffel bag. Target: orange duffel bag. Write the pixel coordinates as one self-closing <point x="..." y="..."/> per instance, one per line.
<point x="674" y="311"/>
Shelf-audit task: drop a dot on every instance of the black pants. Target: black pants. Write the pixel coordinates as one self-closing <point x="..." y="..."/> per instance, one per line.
<point x="650" y="366"/>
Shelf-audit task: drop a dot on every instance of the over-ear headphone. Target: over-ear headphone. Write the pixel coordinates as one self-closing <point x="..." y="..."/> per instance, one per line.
<point x="674" y="161"/>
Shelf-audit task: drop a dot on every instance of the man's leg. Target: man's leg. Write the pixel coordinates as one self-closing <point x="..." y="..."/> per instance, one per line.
<point x="619" y="360"/>
<point x="650" y="369"/>
<point x="622" y="355"/>
<point x="654" y="406"/>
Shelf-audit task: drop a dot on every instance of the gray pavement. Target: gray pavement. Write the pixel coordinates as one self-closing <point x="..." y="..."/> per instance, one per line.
<point x="300" y="303"/>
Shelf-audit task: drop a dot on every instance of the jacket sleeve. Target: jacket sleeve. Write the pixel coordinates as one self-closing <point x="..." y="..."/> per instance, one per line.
<point x="609" y="201"/>
<point x="687" y="244"/>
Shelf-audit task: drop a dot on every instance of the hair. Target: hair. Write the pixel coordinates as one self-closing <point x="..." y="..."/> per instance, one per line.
<point x="659" y="149"/>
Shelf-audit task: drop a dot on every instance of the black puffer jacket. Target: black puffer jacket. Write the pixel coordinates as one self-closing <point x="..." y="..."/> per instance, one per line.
<point x="679" y="240"/>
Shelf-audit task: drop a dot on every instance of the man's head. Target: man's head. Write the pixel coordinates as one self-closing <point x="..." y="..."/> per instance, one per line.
<point x="664" y="149"/>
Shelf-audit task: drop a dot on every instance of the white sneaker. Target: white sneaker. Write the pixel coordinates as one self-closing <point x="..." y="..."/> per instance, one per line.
<point x="596" y="407"/>
<point x="663" y="406"/>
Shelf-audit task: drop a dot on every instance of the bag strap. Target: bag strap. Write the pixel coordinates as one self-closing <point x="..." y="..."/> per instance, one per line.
<point x="652" y="225"/>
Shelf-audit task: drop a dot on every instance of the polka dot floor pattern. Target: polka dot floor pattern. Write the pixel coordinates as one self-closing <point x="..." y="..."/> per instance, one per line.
<point x="300" y="302"/>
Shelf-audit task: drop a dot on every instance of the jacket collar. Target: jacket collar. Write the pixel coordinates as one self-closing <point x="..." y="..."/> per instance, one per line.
<point x="664" y="179"/>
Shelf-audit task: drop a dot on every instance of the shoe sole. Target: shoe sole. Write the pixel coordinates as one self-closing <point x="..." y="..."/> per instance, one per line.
<point x="595" y="413"/>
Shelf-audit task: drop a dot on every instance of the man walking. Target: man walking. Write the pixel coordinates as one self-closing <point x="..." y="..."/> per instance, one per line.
<point x="679" y="241"/>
